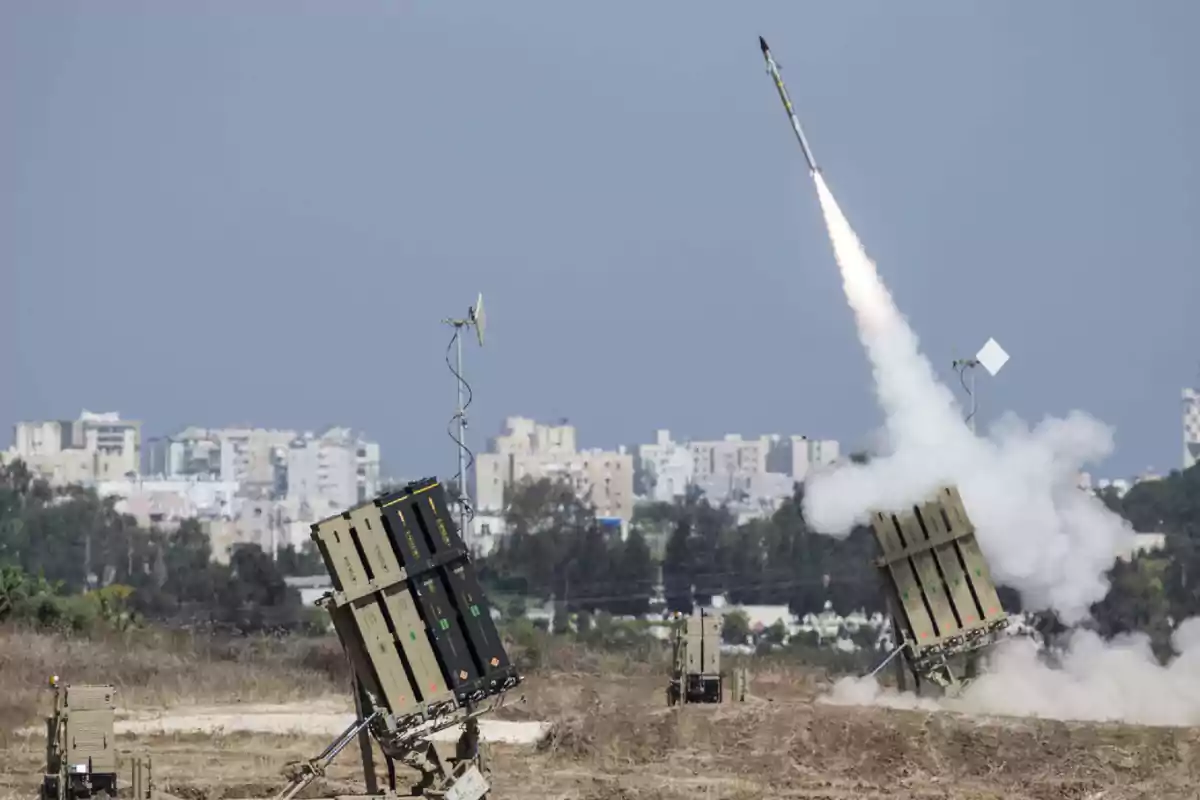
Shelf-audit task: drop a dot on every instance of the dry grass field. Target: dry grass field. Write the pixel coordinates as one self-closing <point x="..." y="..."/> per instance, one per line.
<point x="609" y="733"/>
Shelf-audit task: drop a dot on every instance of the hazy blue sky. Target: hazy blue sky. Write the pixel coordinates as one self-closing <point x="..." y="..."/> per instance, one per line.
<point x="226" y="213"/>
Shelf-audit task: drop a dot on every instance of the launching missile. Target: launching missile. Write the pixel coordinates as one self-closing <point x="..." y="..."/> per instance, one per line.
<point x="773" y="71"/>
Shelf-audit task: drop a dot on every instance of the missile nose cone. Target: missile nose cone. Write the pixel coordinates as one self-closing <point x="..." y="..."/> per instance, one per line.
<point x="762" y="43"/>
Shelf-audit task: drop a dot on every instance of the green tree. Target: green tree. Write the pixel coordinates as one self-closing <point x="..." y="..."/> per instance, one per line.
<point x="546" y="522"/>
<point x="588" y="567"/>
<point x="255" y="597"/>
<point x="635" y="576"/>
<point x="775" y="633"/>
<point x="1157" y="587"/>
<point x="302" y="561"/>
<point x="677" y="569"/>
<point x="73" y="540"/>
<point x="1137" y="602"/>
<point x="735" y="627"/>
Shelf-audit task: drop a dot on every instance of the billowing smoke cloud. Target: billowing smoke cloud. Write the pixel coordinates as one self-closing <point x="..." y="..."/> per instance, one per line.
<point x="1040" y="533"/>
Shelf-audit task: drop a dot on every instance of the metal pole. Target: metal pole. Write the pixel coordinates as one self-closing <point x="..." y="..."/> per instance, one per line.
<point x="364" y="740"/>
<point x="961" y="366"/>
<point x="462" y="441"/>
<point x="973" y="403"/>
<point x="895" y="652"/>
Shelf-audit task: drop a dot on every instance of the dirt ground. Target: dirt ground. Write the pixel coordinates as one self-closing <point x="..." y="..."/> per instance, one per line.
<point x="613" y="737"/>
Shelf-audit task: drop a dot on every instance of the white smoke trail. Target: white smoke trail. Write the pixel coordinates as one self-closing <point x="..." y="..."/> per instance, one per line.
<point x="1040" y="533"/>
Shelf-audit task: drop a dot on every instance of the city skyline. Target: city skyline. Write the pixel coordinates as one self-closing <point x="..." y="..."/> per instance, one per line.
<point x="152" y="448"/>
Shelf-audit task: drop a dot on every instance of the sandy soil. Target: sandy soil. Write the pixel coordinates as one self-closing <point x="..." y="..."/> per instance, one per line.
<point x="613" y="737"/>
<point x="324" y="717"/>
<point x="295" y="719"/>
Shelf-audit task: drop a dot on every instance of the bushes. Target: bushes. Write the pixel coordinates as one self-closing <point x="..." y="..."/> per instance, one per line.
<point x="35" y="602"/>
<point x="78" y="541"/>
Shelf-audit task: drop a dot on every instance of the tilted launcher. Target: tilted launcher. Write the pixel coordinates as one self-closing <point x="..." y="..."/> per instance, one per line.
<point x="418" y="631"/>
<point x="945" y="609"/>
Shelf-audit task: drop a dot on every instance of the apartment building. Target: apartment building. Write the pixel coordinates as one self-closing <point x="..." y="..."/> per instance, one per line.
<point x="285" y="480"/>
<point x="164" y="503"/>
<point x="323" y="471"/>
<point x="528" y="449"/>
<point x="94" y="447"/>
<point x="254" y="458"/>
<point x="1191" y="427"/>
<point x="731" y="456"/>
<point x="665" y="469"/>
<point x="796" y="456"/>
<point x="524" y="436"/>
<point x="334" y="466"/>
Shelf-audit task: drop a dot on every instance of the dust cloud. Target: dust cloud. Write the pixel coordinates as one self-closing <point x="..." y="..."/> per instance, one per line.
<point x="1094" y="681"/>
<point x="1041" y="535"/>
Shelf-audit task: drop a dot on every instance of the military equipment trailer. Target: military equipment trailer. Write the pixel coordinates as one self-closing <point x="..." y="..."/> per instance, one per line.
<point x="944" y="607"/>
<point x="81" y="760"/>
<point x="696" y="661"/>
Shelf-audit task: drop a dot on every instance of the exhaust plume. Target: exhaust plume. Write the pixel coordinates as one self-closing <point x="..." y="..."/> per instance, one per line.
<point x="1040" y="534"/>
<point x="1095" y="681"/>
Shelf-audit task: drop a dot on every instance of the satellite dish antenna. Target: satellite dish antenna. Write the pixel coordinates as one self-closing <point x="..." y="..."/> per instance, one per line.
<point x="992" y="357"/>
<point x="478" y="319"/>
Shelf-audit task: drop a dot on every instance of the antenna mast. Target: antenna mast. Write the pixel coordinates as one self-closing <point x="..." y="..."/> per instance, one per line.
<point x="475" y="319"/>
<point x="992" y="358"/>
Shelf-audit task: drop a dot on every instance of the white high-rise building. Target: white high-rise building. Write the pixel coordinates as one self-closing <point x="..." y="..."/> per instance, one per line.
<point x="95" y="447"/>
<point x="1191" y="427"/>
<point x="797" y="456"/>
<point x="665" y="468"/>
<point x="332" y="466"/>
<point x="532" y="450"/>
<point x="323" y="472"/>
<point x="254" y="458"/>
<point x="729" y="458"/>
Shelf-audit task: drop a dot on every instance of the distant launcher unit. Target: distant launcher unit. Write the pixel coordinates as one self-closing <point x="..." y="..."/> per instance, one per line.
<point x="81" y="759"/>
<point x="426" y="655"/>
<point x="945" y="609"/>
<point x="696" y="660"/>
<point x="81" y="755"/>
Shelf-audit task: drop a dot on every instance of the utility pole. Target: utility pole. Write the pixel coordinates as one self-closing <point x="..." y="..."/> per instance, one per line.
<point x="960" y="366"/>
<point x="87" y="545"/>
<point x="992" y="358"/>
<point x="275" y="520"/>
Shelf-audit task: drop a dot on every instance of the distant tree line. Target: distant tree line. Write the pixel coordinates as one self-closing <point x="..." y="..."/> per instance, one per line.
<point x="556" y="548"/>
<point x="69" y="559"/>
<point x="1155" y="591"/>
